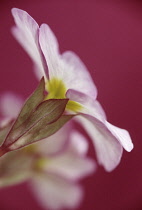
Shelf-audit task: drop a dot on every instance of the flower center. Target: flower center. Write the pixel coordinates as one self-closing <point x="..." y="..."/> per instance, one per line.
<point x="41" y="163"/>
<point x="57" y="90"/>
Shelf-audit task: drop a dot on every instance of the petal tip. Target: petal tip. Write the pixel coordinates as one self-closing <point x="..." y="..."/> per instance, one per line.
<point x="15" y="10"/>
<point x="131" y="147"/>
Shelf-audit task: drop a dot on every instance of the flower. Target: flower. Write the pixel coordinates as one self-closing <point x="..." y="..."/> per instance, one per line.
<point x="53" y="167"/>
<point x="56" y="186"/>
<point x="67" y="77"/>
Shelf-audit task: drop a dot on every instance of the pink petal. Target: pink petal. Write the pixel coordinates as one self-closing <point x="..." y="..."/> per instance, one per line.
<point x="49" y="46"/>
<point x="27" y="34"/>
<point x="56" y="193"/>
<point x="108" y="149"/>
<point x="122" y="136"/>
<point x="72" y="163"/>
<point x="104" y="135"/>
<point x="68" y="67"/>
<point x="10" y="105"/>
<point x="76" y="75"/>
<point x="90" y="106"/>
<point x="78" y="144"/>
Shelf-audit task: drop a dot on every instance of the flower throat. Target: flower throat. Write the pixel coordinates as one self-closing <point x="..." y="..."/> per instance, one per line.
<point x="57" y="90"/>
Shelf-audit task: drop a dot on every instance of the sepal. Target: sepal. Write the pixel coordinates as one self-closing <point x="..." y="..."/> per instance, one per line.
<point x="38" y="119"/>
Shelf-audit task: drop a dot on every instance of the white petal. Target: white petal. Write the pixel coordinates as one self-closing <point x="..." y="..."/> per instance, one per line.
<point x="68" y="67"/>
<point x="56" y="193"/>
<point x="72" y="163"/>
<point x="108" y="149"/>
<point x="71" y="166"/>
<point x="10" y="105"/>
<point x="76" y="75"/>
<point x="122" y="136"/>
<point x="90" y="106"/>
<point x="49" y="46"/>
<point x="27" y="34"/>
<point x="78" y="143"/>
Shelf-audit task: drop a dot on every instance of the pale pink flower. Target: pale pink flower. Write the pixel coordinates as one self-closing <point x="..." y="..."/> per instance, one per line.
<point x="67" y="77"/>
<point x="56" y="186"/>
<point x="53" y="166"/>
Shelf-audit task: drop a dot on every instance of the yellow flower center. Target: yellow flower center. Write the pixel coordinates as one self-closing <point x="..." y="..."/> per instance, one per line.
<point x="41" y="163"/>
<point x="57" y="89"/>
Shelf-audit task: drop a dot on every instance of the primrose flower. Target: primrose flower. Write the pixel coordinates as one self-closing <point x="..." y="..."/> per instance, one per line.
<point x="53" y="167"/>
<point x="67" y="77"/>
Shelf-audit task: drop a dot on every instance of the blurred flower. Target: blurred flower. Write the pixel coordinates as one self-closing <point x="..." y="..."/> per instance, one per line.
<point x="53" y="167"/>
<point x="67" y="77"/>
<point x="56" y="182"/>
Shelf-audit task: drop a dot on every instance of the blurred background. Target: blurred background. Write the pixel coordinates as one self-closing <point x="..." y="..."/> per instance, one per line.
<point x="107" y="35"/>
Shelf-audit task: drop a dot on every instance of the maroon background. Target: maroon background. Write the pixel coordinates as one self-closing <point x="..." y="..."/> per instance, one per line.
<point x="107" y="35"/>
